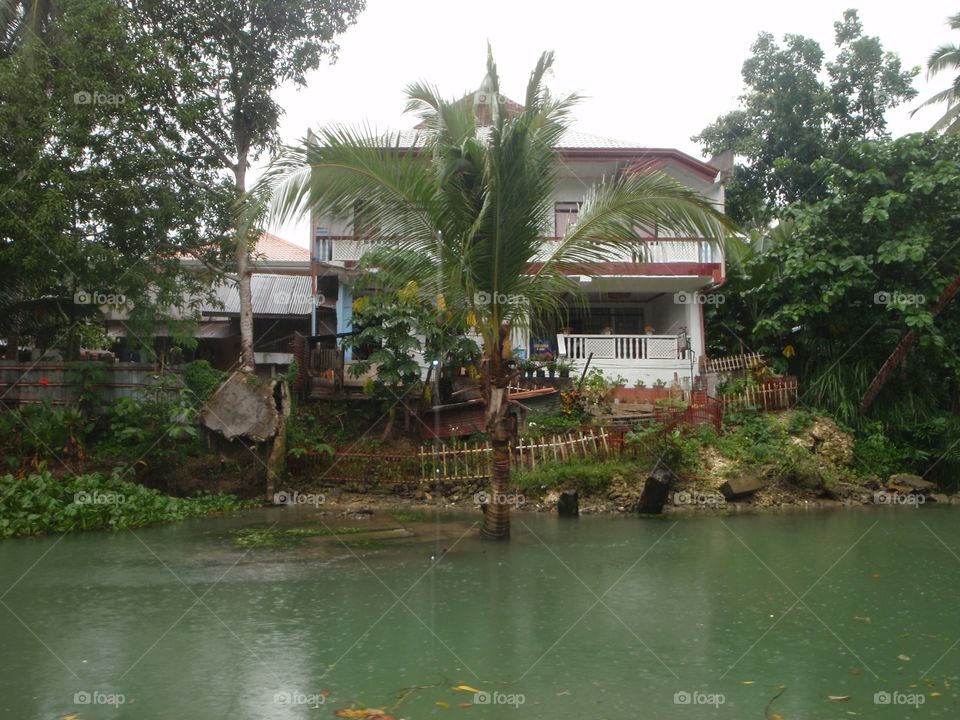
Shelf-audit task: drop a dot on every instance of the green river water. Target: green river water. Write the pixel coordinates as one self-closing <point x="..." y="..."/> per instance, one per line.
<point x="697" y="617"/>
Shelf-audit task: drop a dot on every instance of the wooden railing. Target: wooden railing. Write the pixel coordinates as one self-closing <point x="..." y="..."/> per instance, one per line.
<point x="621" y="347"/>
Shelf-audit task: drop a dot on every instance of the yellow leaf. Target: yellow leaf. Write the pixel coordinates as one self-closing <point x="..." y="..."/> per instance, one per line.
<point x="934" y="694"/>
<point x="466" y="688"/>
<point x="748" y="682"/>
<point x="441" y="703"/>
<point x="776" y="716"/>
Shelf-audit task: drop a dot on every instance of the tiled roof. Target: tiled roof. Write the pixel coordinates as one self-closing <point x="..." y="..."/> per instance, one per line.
<point x="271" y="248"/>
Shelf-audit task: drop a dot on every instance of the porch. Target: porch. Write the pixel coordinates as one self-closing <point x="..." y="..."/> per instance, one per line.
<point x="646" y="359"/>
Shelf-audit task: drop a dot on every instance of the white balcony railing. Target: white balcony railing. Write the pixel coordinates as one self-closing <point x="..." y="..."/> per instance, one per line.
<point x="345" y="248"/>
<point x="622" y="347"/>
<point x="655" y="251"/>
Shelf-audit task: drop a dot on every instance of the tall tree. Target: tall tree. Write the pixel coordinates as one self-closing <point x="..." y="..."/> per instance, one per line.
<point x="465" y="218"/>
<point x="793" y="113"/>
<point x="96" y="201"/>
<point x="230" y="56"/>
<point x="946" y="58"/>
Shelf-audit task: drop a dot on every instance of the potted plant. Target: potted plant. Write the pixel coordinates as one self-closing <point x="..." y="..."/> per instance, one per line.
<point x="542" y="360"/>
<point x="639" y="383"/>
<point x="564" y="367"/>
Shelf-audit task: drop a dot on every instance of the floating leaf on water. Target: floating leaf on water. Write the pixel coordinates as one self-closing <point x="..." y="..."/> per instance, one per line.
<point x="875" y="576"/>
<point x="838" y="698"/>
<point x="776" y="716"/>
<point x="748" y="682"/>
<point x="441" y="703"/>
<point x="466" y="688"/>
<point x="565" y="692"/>
<point x="465" y="705"/>
<point x="861" y="619"/>
<point x="376" y="713"/>
<point x="903" y="657"/>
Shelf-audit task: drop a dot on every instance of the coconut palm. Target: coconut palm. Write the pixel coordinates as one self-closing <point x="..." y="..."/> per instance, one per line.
<point x="946" y="58"/>
<point x="464" y="214"/>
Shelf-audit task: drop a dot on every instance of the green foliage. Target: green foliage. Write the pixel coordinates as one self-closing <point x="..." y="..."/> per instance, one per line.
<point x="677" y="448"/>
<point x="42" y="503"/>
<point x="878" y="455"/>
<point x="37" y="434"/>
<point x="790" y="115"/>
<point x="162" y="427"/>
<point x="752" y="437"/>
<point x="552" y="423"/>
<point x="202" y="379"/>
<point x="583" y="474"/>
<point x="105" y="198"/>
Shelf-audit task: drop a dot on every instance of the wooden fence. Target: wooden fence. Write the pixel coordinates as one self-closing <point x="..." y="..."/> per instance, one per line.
<point x="24" y="383"/>
<point x="458" y="461"/>
<point x="732" y="363"/>
<point x="772" y="394"/>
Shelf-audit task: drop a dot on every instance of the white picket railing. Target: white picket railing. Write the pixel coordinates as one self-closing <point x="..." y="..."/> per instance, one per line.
<point x="620" y="347"/>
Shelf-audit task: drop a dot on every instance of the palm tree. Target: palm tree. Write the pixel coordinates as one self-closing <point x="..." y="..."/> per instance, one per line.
<point x="946" y="57"/>
<point x="464" y="215"/>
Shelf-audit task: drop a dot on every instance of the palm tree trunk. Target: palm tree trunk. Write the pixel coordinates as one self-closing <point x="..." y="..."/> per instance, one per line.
<point x="496" y="519"/>
<point x="898" y="354"/>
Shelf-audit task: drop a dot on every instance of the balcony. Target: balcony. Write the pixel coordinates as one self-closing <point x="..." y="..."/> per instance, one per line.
<point x="622" y="347"/>
<point x="347" y="249"/>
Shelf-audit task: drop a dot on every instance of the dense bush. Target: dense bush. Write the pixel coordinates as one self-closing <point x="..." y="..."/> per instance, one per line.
<point x="202" y="379"/>
<point x="41" y="503"/>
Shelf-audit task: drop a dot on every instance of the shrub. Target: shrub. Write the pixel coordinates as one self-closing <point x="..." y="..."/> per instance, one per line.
<point x="202" y="379"/>
<point x="41" y="503"/>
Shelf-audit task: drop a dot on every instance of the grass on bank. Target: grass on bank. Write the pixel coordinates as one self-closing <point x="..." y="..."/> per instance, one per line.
<point x="41" y="503"/>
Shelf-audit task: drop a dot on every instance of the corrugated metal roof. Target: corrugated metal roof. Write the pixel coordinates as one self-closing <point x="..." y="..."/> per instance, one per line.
<point x="271" y="294"/>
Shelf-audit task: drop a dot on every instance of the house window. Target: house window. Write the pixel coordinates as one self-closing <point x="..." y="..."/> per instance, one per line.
<point x="565" y="215"/>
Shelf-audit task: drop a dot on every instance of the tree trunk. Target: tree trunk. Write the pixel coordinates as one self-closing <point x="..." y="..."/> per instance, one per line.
<point x="242" y="255"/>
<point x="496" y="519"/>
<point x="900" y="352"/>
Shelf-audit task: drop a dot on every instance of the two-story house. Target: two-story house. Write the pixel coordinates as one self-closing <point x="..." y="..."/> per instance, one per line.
<point x="644" y="313"/>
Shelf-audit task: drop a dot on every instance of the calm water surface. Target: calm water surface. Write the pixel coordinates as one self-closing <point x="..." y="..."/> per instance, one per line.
<point x="592" y="618"/>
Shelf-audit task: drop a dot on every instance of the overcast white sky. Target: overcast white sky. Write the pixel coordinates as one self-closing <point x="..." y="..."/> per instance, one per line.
<point x="656" y="73"/>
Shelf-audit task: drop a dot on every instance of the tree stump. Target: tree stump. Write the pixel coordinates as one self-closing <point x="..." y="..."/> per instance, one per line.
<point x="656" y="490"/>
<point x="568" y="505"/>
